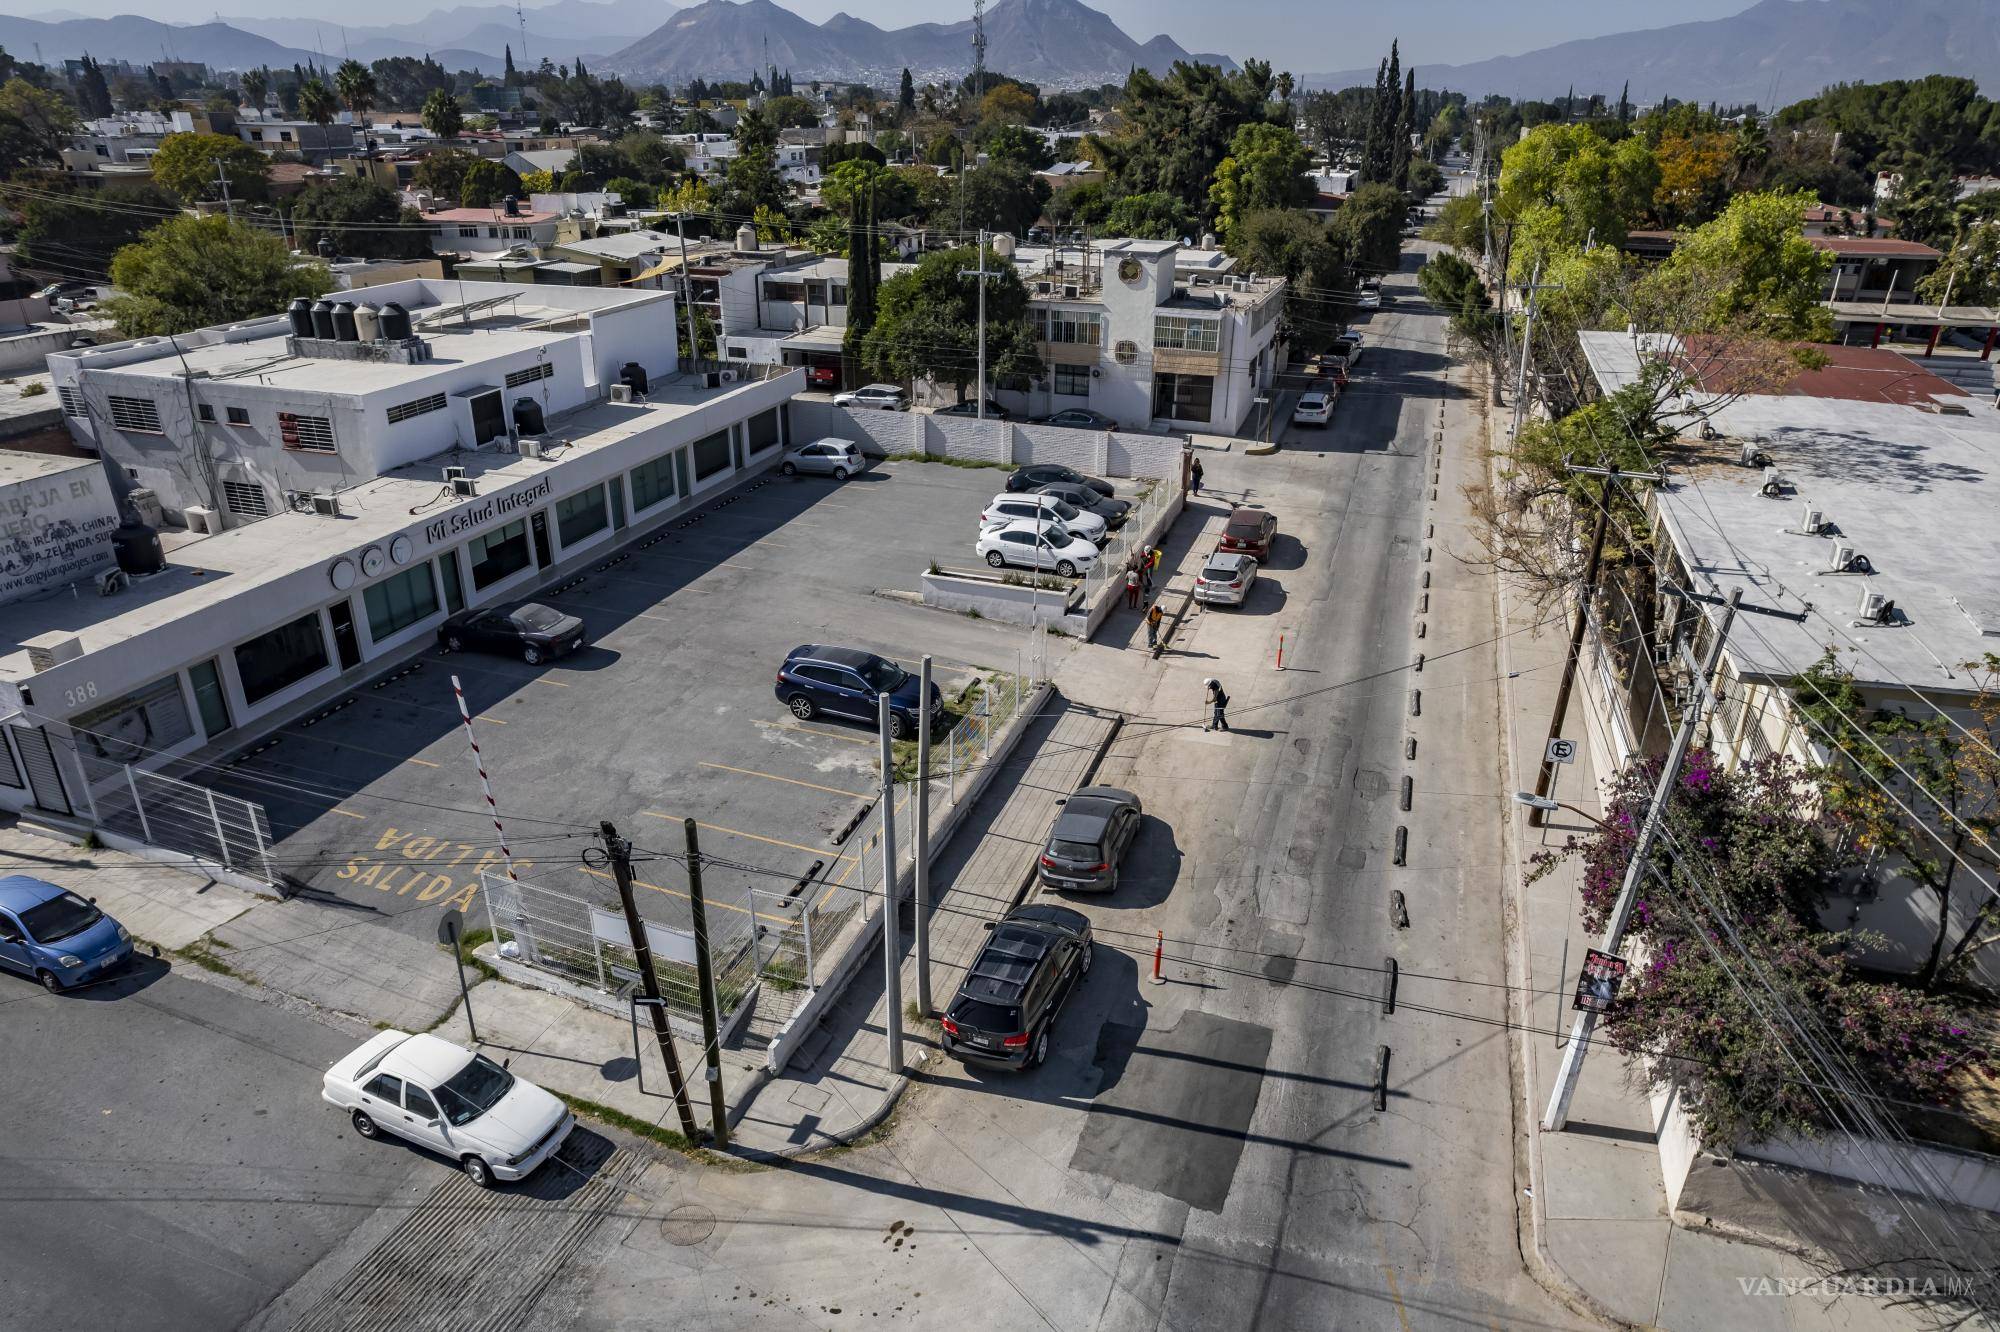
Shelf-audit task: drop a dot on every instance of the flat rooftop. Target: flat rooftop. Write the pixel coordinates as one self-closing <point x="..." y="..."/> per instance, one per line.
<point x="201" y="572"/>
<point x="17" y="466"/>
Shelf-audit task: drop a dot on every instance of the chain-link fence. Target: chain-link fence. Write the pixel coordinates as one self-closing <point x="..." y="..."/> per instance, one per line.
<point x="179" y="816"/>
<point x="1116" y="556"/>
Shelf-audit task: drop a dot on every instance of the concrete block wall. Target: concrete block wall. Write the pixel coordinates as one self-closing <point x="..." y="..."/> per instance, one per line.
<point x="1115" y="453"/>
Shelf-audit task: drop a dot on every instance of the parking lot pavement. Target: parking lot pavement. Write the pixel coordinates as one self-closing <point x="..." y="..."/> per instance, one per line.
<point x="168" y="1161"/>
<point x="667" y="713"/>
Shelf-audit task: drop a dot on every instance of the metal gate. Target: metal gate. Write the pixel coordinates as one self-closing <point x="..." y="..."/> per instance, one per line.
<point x="784" y="942"/>
<point x="44" y="777"/>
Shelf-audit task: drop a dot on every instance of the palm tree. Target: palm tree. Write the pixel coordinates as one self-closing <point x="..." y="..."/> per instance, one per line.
<point x="355" y="83"/>
<point x="255" y="84"/>
<point x="316" y="102"/>
<point x="441" y="114"/>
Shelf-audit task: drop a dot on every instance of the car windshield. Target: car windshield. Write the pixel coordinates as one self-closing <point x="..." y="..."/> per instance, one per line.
<point x="59" y="918"/>
<point x="474" y="1090"/>
<point x="884" y="677"/>
<point x="1062" y="510"/>
<point x="536" y="617"/>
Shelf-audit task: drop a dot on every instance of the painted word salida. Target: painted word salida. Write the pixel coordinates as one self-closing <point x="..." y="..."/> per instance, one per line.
<point x="461" y="521"/>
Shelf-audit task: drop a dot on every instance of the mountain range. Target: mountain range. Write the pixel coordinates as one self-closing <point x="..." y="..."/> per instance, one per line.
<point x="1775" y="52"/>
<point x="1057" y="43"/>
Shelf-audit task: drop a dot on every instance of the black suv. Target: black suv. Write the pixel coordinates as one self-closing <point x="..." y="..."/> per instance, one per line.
<point x="1002" y="1013"/>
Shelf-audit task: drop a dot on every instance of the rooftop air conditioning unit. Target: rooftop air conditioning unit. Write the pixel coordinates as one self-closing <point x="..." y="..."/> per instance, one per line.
<point x="530" y="448"/>
<point x="452" y="474"/>
<point x="1774" y="483"/>
<point x="326" y="505"/>
<point x="1875" y="607"/>
<point x="202" y="519"/>
<point x="464" y="487"/>
<point x="1814" y="521"/>
<point x="621" y="393"/>
<point x="1844" y="558"/>
<point x="1044" y="288"/>
<point x="1753" y="456"/>
<point x="727" y="376"/>
<point x="1069" y="291"/>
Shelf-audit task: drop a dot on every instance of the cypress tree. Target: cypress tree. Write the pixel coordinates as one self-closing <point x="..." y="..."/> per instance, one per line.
<point x="1399" y="147"/>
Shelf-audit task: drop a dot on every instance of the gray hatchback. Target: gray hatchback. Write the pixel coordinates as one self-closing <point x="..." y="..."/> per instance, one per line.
<point x="1090" y="837"/>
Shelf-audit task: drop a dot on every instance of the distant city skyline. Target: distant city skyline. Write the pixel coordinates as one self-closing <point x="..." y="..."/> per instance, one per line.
<point x="1300" y="38"/>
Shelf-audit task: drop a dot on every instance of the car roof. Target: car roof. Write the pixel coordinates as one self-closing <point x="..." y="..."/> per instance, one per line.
<point x="1310" y="394"/>
<point x="1021" y="497"/>
<point x="18" y="892"/>
<point x="835" y="656"/>
<point x="1028" y="525"/>
<point x="1005" y="964"/>
<point x="880" y="388"/>
<point x="827" y="439"/>
<point x="1083" y="822"/>
<point x="1248" y="517"/>
<point x="1226" y="559"/>
<point x="425" y="1059"/>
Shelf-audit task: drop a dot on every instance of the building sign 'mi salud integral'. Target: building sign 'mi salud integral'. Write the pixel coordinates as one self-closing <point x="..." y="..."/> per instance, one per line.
<point x="471" y="517"/>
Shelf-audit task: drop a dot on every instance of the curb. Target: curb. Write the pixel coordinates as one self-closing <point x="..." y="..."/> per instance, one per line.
<point x="1260" y="450"/>
<point x="860" y="1128"/>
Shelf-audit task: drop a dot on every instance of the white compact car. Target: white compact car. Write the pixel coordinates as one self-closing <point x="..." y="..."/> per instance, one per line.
<point x="1315" y="406"/>
<point x="879" y="397"/>
<point x="1005" y="508"/>
<point x="1225" y="580"/>
<point x="495" y="1125"/>
<point x="837" y="458"/>
<point x="1033" y="544"/>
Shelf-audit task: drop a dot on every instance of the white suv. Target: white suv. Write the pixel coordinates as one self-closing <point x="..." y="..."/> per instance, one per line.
<point x="881" y="397"/>
<point x="1003" y="509"/>
<point x="1315" y="406"/>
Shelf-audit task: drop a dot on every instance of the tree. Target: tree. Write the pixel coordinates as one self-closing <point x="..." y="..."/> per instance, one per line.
<point x="406" y="81"/>
<point x="442" y="171"/>
<point x="1369" y="226"/>
<point x="1004" y="196"/>
<point x="1287" y="243"/>
<point x="509" y="76"/>
<point x="856" y="180"/>
<point x="1424" y="179"/>
<point x="1017" y="143"/>
<point x="1563" y="186"/>
<point x="864" y="279"/>
<point x="751" y="180"/>
<point x="926" y="325"/>
<point x="93" y="96"/>
<point x="356" y="86"/>
<point x="1145" y="216"/>
<point x="486" y="183"/>
<point x="906" y="99"/>
<point x="1970" y="273"/>
<point x="441" y="114"/>
<point x="1089" y="205"/>
<point x="1266" y="168"/>
<point x="790" y="112"/>
<point x="317" y="103"/>
<point x="34" y="127"/>
<point x="84" y="231"/>
<point x="363" y="219"/>
<point x="1401" y="132"/>
<point x="255" y="83"/>
<point x="1177" y="130"/>
<point x="1752" y="266"/>
<point x="186" y="164"/>
<point x="194" y="272"/>
<point x="1008" y="104"/>
<point x="1695" y="174"/>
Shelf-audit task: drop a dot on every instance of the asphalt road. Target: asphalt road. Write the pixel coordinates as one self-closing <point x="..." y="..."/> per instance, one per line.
<point x="168" y="1162"/>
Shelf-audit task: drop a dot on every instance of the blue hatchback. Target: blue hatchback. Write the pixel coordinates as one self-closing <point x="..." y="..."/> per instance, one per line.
<point x="844" y="682"/>
<point x="55" y="936"/>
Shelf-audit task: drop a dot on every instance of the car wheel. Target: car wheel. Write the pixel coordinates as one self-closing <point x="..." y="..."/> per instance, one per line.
<point x="532" y="655"/>
<point x="996" y="559"/>
<point x="840" y="473"/>
<point x="802" y="707"/>
<point x="365" y="1126"/>
<point x="49" y="981"/>
<point x="476" y="1170"/>
<point x="1040" y="1051"/>
<point x="1089" y="951"/>
<point x="1065" y="568"/>
<point x="899" y="726"/>
<point x="453" y="643"/>
<point x="790" y="469"/>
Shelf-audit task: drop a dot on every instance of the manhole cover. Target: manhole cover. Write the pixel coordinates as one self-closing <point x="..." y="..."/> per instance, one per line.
<point x="690" y="1223"/>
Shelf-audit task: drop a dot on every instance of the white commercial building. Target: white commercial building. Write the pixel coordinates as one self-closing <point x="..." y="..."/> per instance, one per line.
<point x="492" y="451"/>
<point x="122" y="147"/>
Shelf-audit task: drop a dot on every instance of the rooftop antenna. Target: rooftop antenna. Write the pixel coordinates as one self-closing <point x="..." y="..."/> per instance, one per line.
<point x="978" y="50"/>
<point x="521" y="18"/>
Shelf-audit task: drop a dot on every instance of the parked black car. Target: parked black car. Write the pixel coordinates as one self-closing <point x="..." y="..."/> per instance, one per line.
<point x="1036" y="475"/>
<point x="844" y="682"/>
<point x="1081" y="418"/>
<point x="531" y="631"/>
<point x="1032" y="961"/>
<point x="994" y="411"/>
<point x="1091" y="835"/>
<point x="1112" y="511"/>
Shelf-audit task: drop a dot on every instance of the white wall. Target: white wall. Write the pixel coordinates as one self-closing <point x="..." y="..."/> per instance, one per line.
<point x="55" y="529"/>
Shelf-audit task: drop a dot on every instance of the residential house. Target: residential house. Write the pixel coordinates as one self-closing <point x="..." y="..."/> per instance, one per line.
<point x="273" y="132"/>
<point x="525" y="162"/>
<point x="121" y="147"/>
<point x="1062" y="175"/>
<point x="470" y="232"/>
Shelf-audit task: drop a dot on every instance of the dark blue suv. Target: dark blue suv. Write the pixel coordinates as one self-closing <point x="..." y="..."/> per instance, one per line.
<point x="844" y="682"/>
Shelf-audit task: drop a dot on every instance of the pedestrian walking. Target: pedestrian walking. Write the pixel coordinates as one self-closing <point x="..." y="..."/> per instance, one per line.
<point x="1145" y="576"/>
<point x="1132" y="588"/>
<point x="1218" y="703"/>
<point x="1153" y="617"/>
<point x="1194" y="475"/>
<point x="1153" y="559"/>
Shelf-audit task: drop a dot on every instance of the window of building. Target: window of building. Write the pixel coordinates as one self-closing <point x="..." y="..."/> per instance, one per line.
<point x="454" y="590"/>
<point x="492" y="233"/>
<point x="520" y="233"/>
<point x="285" y="656"/>
<point x="1079" y="327"/>
<point x="581" y="515"/>
<point x="136" y="414"/>
<point x="764" y="431"/>
<point x="838" y="293"/>
<point x="246" y="498"/>
<point x="785" y="291"/>
<point x="495" y="555"/>
<point x="72" y="402"/>
<point x="1183" y="397"/>
<point x="313" y="434"/>
<point x="397" y="603"/>
<point x="1073" y="380"/>
<point x="1181" y="334"/>
<point x="204" y="412"/>
<point x="517" y="378"/>
<point x="284" y="136"/>
<point x="652" y="482"/>
<point x="711" y="455"/>
<point x="470" y="233"/>
<point x="103" y="150"/>
<point x="239" y="416"/>
<point x="403" y="411"/>
<point x="735" y="352"/>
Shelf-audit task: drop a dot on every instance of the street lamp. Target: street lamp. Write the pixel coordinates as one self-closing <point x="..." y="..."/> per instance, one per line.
<point x="1548" y="806"/>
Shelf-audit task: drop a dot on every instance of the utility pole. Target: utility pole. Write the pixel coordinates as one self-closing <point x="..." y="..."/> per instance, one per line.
<point x="1546" y="778"/>
<point x="705" y="977"/>
<point x="228" y="208"/>
<point x="892" y="965"/>
<point x="982" y="273"/>
<point x="687" y="286"/>
<point x="1534" y="290"/>
<point x="1557" y="1113"/>
<point x="923" y="855"/>
<point x="619" y="852"/>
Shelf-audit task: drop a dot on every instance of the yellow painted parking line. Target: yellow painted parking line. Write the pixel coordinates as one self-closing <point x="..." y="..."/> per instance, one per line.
<point x="755" y="837"/>
<point x="829" y="735"/>
<point x="359" y="749"/>
<point x="348" y="813"/>
<point x="790" y="781"/>
<point x="676" y="892"/>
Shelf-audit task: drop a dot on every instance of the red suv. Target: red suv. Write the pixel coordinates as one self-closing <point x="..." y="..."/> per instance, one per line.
<point x="1249" y="532"/>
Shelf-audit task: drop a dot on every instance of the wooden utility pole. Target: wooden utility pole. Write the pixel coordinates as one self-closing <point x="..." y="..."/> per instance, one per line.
<point x="619" y="852"/>
<point x="705" y="977"/>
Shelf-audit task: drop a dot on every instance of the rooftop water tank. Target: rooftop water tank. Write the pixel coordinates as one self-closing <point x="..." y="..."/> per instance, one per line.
<point x="746" y="239"/>
<point x="1003" y="245"/>
<point x="300" y="313"/>
<point x="395" y="323"/>
<point x="322" y="317"/>
<point x="343" y="322"/>
<point x="633" y="375"/>
<point x="367" y="322"/>
<point x="528" y="419"/>
<point x="137" y="549"/>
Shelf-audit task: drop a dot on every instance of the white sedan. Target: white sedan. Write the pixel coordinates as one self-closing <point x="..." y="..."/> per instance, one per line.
<point x="1005" y="508"/>
<point x="1036" y="544"/>
<point x="495" y="1125"/>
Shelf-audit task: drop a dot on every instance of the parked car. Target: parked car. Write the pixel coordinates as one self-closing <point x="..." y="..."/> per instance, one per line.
<point x="821" y="377"/>
<point x="75" y="288"/>
<point x="1344" y="354"/>
<point x="1113" y="511"/>
<point x="1081" y="418"/>
<point x="56" y="937"/>
<point x="1315" y="405"/>
<point x="1036" y="545"/>
<point x="1225" y="580"/>
<point x="1371" y="300"/>
<point x="531" y="631"/>
<point x="994" y="411"/>
<point x="1249" y="532"/>
<point x="1094" y="829"/>
<point x="1036" y="475"/>
<point x="493" y="1123"/>
<point x="837" y="458"/>
<point x="1016" y="987"/>
<point x="1005" y="508"/>
<point x="845" y="682"/>
<point x="878" y="397"/>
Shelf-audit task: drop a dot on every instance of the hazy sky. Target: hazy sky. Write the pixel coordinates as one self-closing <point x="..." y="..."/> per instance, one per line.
<point x="1301" y="35"/>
